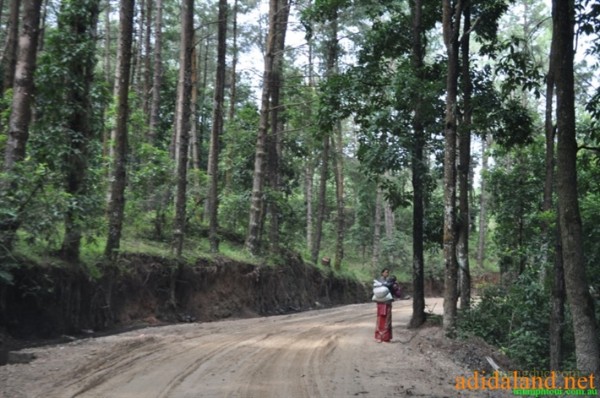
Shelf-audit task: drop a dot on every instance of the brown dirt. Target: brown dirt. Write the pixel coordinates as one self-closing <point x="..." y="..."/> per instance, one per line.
<point x="320" y="353"/>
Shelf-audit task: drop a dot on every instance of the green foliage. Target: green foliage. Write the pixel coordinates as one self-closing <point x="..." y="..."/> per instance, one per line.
<point x="489" y="13"/>
<point x="519" y="69"/>
<point x="589" y="192"/>
<point x="509" y="122"/>
<point x="514" y="318"/>
<point x="5" y="110"/>
<point x="514" y="125"/>
<point x="34" y="201"/>
<point x="151" y="178"/>
<point x="515" y="186"/>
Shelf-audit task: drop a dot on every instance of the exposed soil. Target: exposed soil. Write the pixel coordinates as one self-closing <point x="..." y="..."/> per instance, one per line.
<point x="238" y="330"/>
<point x="48" y="302"/>
<point x="319" y="353"/>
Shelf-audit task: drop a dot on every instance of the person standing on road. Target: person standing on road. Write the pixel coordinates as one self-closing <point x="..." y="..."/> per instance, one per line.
<point x="383" y="327"/>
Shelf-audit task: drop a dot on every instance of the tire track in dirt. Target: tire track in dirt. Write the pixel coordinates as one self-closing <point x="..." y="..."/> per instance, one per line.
<point x="328" y="353"/>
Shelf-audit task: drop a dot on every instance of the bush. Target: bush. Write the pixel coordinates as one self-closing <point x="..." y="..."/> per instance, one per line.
<point x="515" y="318"/>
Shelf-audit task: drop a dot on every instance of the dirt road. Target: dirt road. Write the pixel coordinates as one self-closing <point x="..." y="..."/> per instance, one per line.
<point x="325" y="353"/>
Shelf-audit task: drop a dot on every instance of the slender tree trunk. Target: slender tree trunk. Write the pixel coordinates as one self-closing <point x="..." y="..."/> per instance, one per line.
<point x="147" y="87"/>
<point x="232" y="95"/>
<point x="389" y="222"/>
<point x="557" y="315"/>
<point x="107" y="72"/>
<point x="194" y="144"/>
<point x="108" y="75"/>
<point x="234" y="61"/>
<point x="338" y="149"/>
<point x="464" y="167"/>
<point x="9" y="59"/>
<point x="486" y="142"/>
<point x="310" y="161"/>
<point x="157" y="75"/>
<point x="119" y="137"/>
<point x="80" y="19"/>
<point x="580" y="300"/>
<point x="451" y="26"/>
<point x="377" y="230"/>
<point x="138" y="64"/>
<point x="183" y="124"/>
<point x="203" y="90"/>
<point x="258" y="182"/>
<point x="309" y="181"/>
<point x="41" y="35"/>
<point x="339" y="194"/>
<point x="331" y="62"/>
<point x="419" y="170"/>
<point x="1" y="11"/>
<point x="275" y="137"/>
<point x="217" y="129"/>
<point x="321" y="200"/>
<point x="20" y="116"/>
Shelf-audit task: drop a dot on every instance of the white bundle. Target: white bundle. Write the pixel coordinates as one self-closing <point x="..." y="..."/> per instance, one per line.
<point x="381" y="293"/>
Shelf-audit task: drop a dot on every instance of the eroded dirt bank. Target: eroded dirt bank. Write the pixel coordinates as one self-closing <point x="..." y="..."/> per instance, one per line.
<point x="50" y="302"/>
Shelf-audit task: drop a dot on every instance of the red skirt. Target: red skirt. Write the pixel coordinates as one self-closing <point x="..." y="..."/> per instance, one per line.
<point x="383" y="328"/>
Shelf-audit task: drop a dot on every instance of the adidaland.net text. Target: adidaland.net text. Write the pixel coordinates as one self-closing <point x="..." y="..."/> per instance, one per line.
<point x="517" y="380"/>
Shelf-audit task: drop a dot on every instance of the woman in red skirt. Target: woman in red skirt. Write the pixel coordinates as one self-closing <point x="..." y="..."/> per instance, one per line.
<point x="383" y="328"/>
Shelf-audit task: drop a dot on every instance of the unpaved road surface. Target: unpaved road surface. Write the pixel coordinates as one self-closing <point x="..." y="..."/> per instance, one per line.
<point x="324" y="353"/>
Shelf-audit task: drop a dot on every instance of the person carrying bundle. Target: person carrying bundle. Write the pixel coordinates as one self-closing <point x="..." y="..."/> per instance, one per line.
<point x="385" y="289"/>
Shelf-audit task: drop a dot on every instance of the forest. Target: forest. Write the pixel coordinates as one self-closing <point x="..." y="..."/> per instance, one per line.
<point x="448" y="141"/>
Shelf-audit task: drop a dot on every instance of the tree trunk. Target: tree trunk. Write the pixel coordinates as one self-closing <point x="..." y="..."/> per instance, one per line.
<point x="41" y="36"/>
<point x="321" y="200"/>
<point x="20" y="116"/>
<point x="580" y="300"/>
<point x="308" y="189"/>
<point x="217" y="129"/>
<point x="258" y="181"/>
<point x="183" y="124"/>
<point x="108" y="75"/>
<point x="557" y="314"/>
<point x="328" y="140"/>
<point x="194" y="155"/>
<point x="418" y="172"/>
<point x="203" y="91"/>
<point x="274" y="139"/>
<point x="147" y="86"/>
<point x="338" y="149"/>
<point x="389" y="222"/>
<point x="377" y="230"/>
<point x="485" y="144"/>
<point x="310" y="160"/>
<point x="451" y="26"/>
<point x="464" y="168"/>
<point x="119" y="137"/>
<point x="339" y="195"/>
<point x="1" y="11"/>
<point x="9" y="58"/>
<point x="80" y="19"/>
<point x="157" y="75"/>
<point x="137" y="72"/>
<point x="232" y="95"/>
<point x="234" y="61"/>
